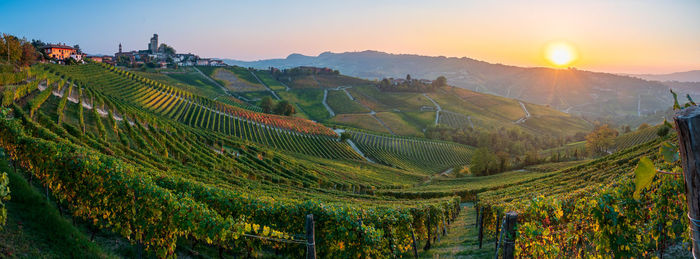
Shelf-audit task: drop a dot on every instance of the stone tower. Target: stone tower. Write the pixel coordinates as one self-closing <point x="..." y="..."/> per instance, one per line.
<point x="153" y="46"/>
<point x="120" y="47"/>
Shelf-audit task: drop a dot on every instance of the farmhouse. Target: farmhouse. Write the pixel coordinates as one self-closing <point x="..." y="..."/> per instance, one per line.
<point x="59" y="51"/>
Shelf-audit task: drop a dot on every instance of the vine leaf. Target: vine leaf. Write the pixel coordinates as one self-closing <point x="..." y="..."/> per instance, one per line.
<point x="669" y="152"/>
<point x="644" y="173"/>
<point x="676" y="106"/>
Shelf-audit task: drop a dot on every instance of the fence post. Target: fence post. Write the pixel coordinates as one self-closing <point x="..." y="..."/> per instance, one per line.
<point x="415" y="245"/>
<point x="437" y="231"/>
<point x="481" y="228"/>
<point x="444" y="226"/>
<point x="476" y="221"/>
<point x="310" y="241"/>
<point x="498" y="219"/>
<point x="509" y="237"/>
<point x="688" y="128"/>
<point x="427" y="229"/>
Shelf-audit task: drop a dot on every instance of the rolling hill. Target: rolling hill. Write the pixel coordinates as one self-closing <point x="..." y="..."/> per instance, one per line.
<point x="336" y="99"/>
<point x="592" y="94"/>
<point x="687" y="76"/>
<point x="151" y="167"/>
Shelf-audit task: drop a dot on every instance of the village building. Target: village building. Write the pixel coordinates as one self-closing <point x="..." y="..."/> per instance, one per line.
<point x="59" y="51"/>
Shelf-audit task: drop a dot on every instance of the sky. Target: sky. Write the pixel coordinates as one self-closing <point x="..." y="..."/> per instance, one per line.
<point x="613" y="36"/>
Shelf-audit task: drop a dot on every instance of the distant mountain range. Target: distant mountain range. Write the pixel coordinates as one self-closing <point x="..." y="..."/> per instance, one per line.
<point x="591" y="94"/>
<point x="688" y="76"/>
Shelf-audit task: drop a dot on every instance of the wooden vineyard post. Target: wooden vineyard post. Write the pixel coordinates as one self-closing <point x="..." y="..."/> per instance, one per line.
<point x="688" y="127"/>
<point x="444" y="226"/>
<point x="437" y="231"/>
<point x="476" y="222"/>
<point x="415" y="245"/>
<point x="427" y="229"/>
<point x="498" y="219"/>
<point x="310" y="241"/>
<point x="509" y="237"/>
<point x="481" y="228"/>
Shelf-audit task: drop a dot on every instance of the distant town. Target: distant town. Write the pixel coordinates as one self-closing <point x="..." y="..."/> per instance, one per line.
<point x="155" y="56"/>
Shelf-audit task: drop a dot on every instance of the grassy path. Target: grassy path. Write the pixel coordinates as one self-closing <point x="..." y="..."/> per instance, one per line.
<point x="461" y="240"/>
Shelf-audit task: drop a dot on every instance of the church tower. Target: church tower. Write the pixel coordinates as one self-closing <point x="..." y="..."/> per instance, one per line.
<point x="120" y="47"/>
<point x="153" y="46"/>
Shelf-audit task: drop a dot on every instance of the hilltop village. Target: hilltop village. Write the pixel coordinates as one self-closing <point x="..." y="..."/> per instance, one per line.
<point x="155" y="56"/>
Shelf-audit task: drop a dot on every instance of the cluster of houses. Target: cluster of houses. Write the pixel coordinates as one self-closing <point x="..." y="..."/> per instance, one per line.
<point x="399" y="81"/>
<point x="158" y="55"/>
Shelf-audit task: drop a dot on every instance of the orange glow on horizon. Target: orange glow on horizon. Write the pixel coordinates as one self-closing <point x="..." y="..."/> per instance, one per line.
<point x="560" y="54"/>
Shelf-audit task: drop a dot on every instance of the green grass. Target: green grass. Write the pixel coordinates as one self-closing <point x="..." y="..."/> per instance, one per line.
<point x="256" y="95"/>
<point x="273" y="84"/>
<point x="341" y="103"/>
<point x="244" y="74"/>
<point x="361" y="121"/>
<point x="466" y="186"/>
<point x="36" y="230"/>
<point x="333" y="81"/>
<point x="389" y="101"/>
<point x="462" y="240"/>
<point x="310" y="101"/>
<point x="397" y="124"/>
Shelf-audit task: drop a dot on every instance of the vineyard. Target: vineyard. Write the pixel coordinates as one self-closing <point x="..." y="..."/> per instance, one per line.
<point x="621" y="142"/>
<point x="170" y="171"/>
<point x="412" y="153"/>
<point x="292" y="134"/>
<point x="217" y="190"/>
<point x="455" y="120"/>
<point x="589" y="209"/>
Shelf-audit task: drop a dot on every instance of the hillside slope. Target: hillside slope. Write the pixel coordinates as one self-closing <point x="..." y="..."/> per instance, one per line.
<point x="574" y="91"/>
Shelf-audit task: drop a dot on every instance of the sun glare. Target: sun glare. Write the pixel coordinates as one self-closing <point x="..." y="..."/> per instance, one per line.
<point x="560" y="54"/>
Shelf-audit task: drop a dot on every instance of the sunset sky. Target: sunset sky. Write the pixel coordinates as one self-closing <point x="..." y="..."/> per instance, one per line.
<point x="611" y="36"/>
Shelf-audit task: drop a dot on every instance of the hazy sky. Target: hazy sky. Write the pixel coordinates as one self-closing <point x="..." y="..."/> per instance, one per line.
<point x="614" y="36"/>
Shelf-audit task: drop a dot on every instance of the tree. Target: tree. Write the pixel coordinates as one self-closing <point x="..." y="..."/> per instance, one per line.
<point x="10" y="49"/>
<point x="502" y="161"/>
<point x="38" y="43"/>
<point x="626" y="129"/>
<point x="484" y="162"/>
<point x="344" y="136"/>
<point x="439" y="82"/>
<point x="385" y="83"/>
<point x="164" y="48"/>
<point x="600" y="140"/>
<point x="29" y="55"/>
<point x="77" y="48"/>
<point x="266" y="104"/>
<point x="643" y="126"/>
<point x="123" y="61"/>
<point x="408" y="77"/>
<point x="284" y="108"/>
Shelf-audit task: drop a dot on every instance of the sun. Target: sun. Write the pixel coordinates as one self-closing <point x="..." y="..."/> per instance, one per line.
<point x="560" y="54"/>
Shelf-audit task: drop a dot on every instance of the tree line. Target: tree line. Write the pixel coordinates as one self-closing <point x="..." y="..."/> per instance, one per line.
<point x="411" y="85"/>
<point x="501" y="149"/>
<point x="16" y="51"/>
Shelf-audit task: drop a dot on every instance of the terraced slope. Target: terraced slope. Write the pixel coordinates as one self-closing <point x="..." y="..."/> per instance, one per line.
<point x="288" y="133"/>
<point x="621" y="142"/>
<point x="120" y="166"/>
<point x="411" y="153"/>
